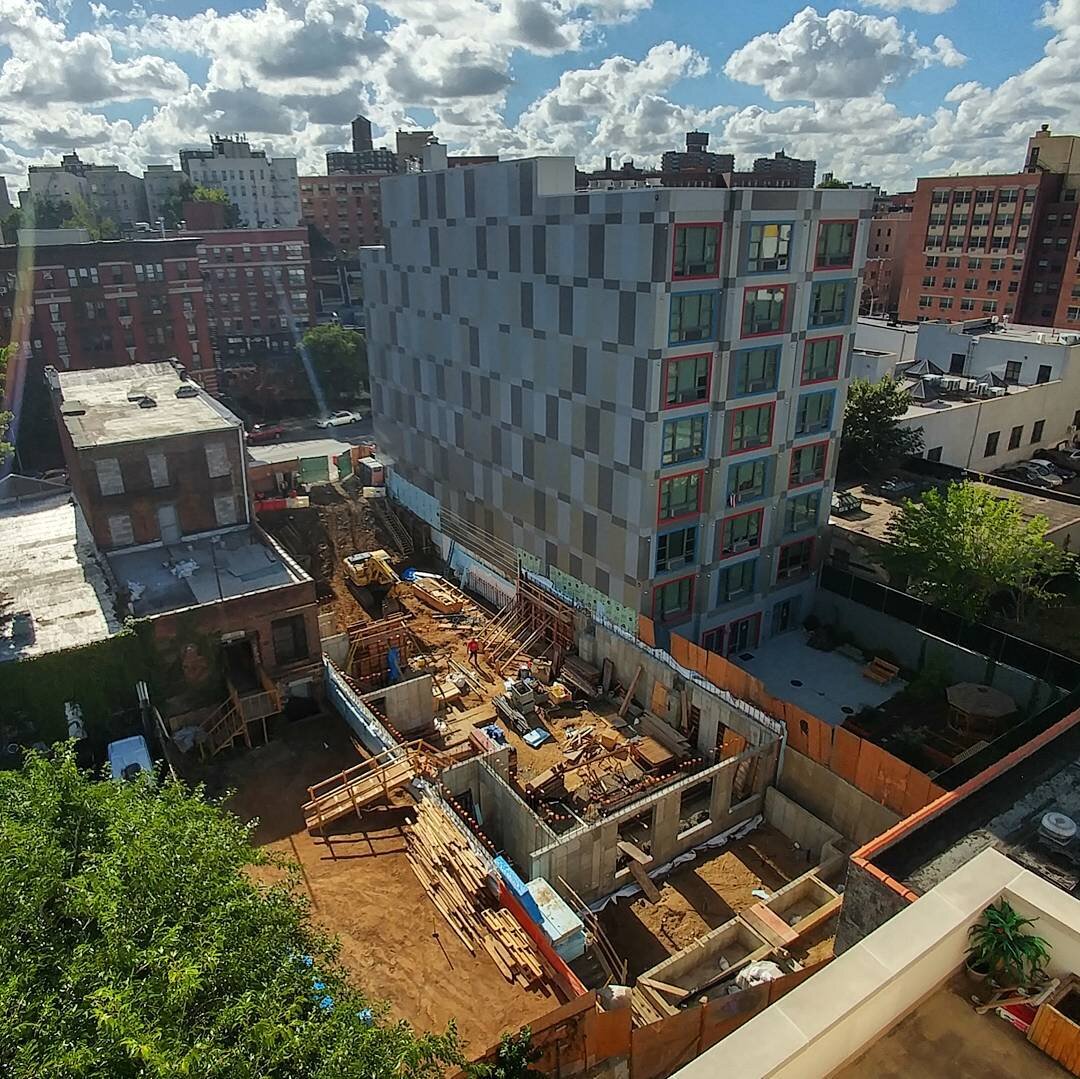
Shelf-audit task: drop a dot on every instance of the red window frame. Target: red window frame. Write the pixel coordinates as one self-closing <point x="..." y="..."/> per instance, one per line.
<point x="668" y="361"/>
<point x="786" y="289"/>
<point x="756" y="618"/>
<point x="679" y="617"/>
<point x="720" y="556"/>
<point x="729" y="428"/>
<point x="803" y="380"/>
<point x="810" y="563"/>
<point x="792" y="485"/>
<point x="700" y="473"/>
<point x="854" y="241"/>
<point x="719" y="226"/>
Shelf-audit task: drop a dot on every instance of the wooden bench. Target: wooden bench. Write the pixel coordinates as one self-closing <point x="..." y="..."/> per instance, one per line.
<point x="878" y="670"/>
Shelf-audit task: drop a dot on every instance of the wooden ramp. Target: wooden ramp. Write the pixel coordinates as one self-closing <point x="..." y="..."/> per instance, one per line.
<point x="365" y="784"/>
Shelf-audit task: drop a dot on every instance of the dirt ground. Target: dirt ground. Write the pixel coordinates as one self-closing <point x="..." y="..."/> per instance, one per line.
<point x="700" y="896"/>
<point x="393" y="939"/>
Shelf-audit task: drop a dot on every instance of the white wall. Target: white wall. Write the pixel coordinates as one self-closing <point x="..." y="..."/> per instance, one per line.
<point x="938" y="342"/>
<point x="878" y="336"/>
<point x="872" y="365"/>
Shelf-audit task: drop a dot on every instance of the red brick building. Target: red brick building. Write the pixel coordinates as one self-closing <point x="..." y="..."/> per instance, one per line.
<point x="889" y="232"/>
<point x="345" y="208"/>
<point x="974" y="248"/>
<point x="259" y="292"/>
<point x="106" y="303"/>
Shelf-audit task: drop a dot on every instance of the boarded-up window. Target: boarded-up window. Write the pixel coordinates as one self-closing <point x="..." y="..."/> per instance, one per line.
<point x="109" y="477"/>
<point x="120" y="530"/>
<point x="217" y="459"/>
<point x="225" y="509"/>
<point x="159" y="469"/>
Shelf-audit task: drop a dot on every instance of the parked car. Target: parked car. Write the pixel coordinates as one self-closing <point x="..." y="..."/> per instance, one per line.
<point x="1064" y="459"/>
<point x="265" y="432"/>
<point x="129" y="758"/>
<point x="1055" y="469"/>
<point x="338" y="419"/>
<point x="1044" y="469"/>
<point x="1023" y="474"/>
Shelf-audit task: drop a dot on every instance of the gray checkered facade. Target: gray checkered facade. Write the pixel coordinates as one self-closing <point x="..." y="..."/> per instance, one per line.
<point x="519" y="339"/>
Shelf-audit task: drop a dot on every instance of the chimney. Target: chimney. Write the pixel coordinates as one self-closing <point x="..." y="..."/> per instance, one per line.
<point x="607" y="163"/>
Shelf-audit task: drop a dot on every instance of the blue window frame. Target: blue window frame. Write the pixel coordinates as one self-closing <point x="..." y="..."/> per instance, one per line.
<point x="676" y="549"/>
<point x="801" y="512"/>
<point x="749" y="481"/>
<point x="736" y="581"/>
<point x="754" y="370"/>
<point x="813" y="413"/>
<point x="830" y="303"/>
<point x="683" y="439"/>
<point x="693" y="317"/>
<point x="768" y="246"/>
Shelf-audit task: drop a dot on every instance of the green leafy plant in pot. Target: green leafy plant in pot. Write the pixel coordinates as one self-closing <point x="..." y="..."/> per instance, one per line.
<point x="1002" y="949"/>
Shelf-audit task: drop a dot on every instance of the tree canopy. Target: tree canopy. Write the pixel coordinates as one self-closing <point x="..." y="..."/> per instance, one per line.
<point x="339" y="357"/>
<point x="172" y="205"/>
<point x="219" y="195"/>
<point x="961" y="546"/>
<point x="39" y="212"/>
<point x="86" y="216"/>
<point x="133" y="942"/>
<point x="871" y="442"/>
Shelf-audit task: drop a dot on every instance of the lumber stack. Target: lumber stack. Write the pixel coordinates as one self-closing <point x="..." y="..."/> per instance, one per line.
<point x="456" y="881"/>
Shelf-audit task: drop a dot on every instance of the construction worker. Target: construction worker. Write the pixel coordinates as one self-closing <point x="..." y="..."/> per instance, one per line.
<point x="473" y="648"/>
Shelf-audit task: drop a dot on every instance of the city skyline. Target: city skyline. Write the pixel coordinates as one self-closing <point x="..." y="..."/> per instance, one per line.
<point x="878" y="90"/>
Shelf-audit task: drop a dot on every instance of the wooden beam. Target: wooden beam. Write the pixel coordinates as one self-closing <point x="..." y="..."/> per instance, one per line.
<point x="634" y="852"/>
<point x="676" y="991"/>
<point x="630" y="691"/>
<point x="637" y="871"/>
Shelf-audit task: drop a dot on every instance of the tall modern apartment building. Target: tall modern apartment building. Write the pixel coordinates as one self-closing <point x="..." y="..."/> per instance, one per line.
<point x="266" y="192"/>
<point x="638" y="393"/>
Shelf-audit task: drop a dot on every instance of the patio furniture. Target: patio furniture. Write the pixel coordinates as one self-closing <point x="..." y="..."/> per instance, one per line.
<point x="974" y="708"/>
<point x="880" y="671"/>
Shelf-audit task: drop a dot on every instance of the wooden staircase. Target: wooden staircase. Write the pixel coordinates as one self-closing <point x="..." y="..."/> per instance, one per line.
<point x="391" y="522"/>
<point x="366" y="783"/>
<point x="224" y="725"/>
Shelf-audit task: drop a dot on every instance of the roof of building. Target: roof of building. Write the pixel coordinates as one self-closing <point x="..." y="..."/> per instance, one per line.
<point x="203" y="570"/>
<point x="52" y="572"/>
<point x="1002" y="808"/>
<point x="109" y="406"/>
<point x="51" y="237"/>
<point x="877" y="510"/>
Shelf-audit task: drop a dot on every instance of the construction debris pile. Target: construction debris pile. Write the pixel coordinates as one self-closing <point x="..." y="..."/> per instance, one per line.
<point x="456" y="880"/>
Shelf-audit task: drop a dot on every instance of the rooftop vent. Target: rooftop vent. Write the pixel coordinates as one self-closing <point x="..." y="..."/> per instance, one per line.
<point x="1057" y="829"/>
<point x="187" y="389"/>
<point x="73" y="408"/>
<point x="147" y="402"/>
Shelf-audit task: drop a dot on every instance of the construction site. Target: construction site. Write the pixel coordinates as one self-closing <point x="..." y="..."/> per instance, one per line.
<point x="572" y="819"/>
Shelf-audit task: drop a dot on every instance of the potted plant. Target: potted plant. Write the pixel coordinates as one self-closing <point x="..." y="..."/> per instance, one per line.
<point x="1002" y="948"/>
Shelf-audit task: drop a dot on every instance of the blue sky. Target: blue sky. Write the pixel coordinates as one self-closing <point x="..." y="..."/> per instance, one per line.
<point x="877" y="90"/>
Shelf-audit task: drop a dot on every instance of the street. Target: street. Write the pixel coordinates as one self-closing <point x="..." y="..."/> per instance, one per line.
<point x="306" y="440"/>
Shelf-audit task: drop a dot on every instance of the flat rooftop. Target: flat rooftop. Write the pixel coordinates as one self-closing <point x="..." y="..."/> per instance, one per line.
<point x="109" y="406"/>
<point x="877" y="510"/>
<point x="52" y="572"/>
<point x="1003" y="812"/>
<point x="191" y="572"/>
<point x="829" y="685"/>
<point x="945" y="1038"/>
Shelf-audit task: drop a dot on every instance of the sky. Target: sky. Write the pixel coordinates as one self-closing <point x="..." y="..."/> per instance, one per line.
<point x="878" y="91"/>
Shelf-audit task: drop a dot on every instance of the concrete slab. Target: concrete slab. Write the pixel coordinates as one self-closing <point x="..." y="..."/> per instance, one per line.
<point x="826" y="684"/>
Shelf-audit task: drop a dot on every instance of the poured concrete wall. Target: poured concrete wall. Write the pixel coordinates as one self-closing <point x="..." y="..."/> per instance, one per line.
<point x="798" y="824"/>
<point x="407" y="705"/>
<point x="832" y="800"/>
<point x="586" y="858"/>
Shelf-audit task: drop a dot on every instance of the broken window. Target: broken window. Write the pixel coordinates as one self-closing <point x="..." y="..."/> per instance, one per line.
<point x="217" y="459"/>
<point x="110" y="479"/>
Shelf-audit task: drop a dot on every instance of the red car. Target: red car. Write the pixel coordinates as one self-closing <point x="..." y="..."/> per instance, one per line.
<point x="265" y="432"/>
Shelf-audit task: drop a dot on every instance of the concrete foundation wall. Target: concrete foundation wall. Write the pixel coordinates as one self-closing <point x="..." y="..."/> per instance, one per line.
<point x="407" y="705"/>
<point x="868" y="904"/>
<point x="366" y="725"/>
<point x="587" y="857"/>
<point x="798" y="824"/>
<point x="602" y="643"/>
<point x="835" y="802"/>
<point x="913" y="648"/>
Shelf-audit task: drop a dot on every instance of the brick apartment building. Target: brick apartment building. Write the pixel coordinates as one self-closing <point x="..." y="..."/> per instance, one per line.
<point x="259" y="292"/>
<point x="890" y="228"/>
<point x="158" y="467"/>
<point x="1003" y="245"/>
<point x="108" y="302"/>
<point x="345" y="208"/>
<point x="638" y="393"/>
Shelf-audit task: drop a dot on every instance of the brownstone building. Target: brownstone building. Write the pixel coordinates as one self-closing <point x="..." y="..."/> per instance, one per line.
<point x="158" y="467"/>
<point x="259" y="292"/>
<point x="345" y="208"/>
<point x="108" y="302"/>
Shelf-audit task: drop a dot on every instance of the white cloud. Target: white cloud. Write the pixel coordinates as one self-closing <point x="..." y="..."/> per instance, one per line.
<point x="925" y="7"/>
<point x="838" y="56"/>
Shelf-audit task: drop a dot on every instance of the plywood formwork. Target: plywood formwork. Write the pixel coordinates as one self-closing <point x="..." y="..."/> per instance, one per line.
<point x="370" y="643"/>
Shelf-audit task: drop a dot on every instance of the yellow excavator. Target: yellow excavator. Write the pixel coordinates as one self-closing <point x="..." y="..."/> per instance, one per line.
<point x="374" y="581"/>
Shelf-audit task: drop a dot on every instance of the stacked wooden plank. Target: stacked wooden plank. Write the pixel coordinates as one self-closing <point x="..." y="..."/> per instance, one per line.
<point x="456" y="880"/>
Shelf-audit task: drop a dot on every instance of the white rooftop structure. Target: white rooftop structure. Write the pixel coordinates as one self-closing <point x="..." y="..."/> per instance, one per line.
<point x="55" y="580"/>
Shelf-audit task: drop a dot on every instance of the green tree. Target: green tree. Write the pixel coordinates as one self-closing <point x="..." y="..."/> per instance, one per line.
<point x="960" y="546"/>
<point x="39" y="212"/>
<point x="133" y="943"/>
<point x="6" y="449"/>
<point x="172" y="206"/>
<point x="216" y="194"/>
<point x="512" y="1059"/>
<point x="832" y="182"/>
<point x="339" y="357"/>
<point x="86" y="216"/>
<point x="872" y="442"/>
